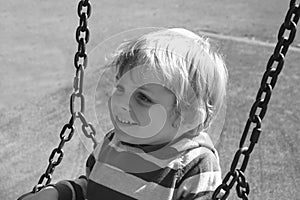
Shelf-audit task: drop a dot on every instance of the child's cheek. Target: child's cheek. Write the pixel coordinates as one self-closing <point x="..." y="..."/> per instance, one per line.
<point x="141" y="114"/>
<point x="157" y="118"/>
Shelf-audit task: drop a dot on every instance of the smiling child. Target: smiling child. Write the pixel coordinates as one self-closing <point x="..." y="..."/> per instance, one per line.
<point x="169" y="87"/>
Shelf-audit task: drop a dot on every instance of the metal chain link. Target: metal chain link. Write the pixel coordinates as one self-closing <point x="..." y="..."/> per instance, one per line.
<point x="80" y="62"/>
<point x="263" y="96"/>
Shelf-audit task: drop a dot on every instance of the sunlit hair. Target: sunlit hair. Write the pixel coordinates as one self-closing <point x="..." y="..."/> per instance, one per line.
<point x="184" y="61"/>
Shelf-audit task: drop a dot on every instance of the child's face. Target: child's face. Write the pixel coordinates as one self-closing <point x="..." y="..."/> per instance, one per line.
<point x="141" y="109"/>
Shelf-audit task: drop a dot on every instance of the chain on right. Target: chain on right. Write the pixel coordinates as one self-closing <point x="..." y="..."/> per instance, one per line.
<point x="268" y="82"/>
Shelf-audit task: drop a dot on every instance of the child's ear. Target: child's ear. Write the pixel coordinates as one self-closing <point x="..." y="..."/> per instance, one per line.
<point x="177" y="118"/>
<point x="193" y="118"/>
<point x="176" y="123"/>
<point x="202" y="116"/>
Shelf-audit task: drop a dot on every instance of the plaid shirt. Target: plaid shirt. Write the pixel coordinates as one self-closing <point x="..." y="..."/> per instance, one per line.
<point x="184" y="170"/>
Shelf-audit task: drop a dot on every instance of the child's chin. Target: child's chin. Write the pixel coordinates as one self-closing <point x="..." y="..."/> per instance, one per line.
<point x="125" y="137"/>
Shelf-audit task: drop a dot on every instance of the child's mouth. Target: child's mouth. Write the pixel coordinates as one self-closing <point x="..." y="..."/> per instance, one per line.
<point x="125" y="121"/>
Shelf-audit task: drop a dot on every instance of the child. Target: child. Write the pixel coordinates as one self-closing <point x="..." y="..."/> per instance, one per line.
<point x="169" y="87"/>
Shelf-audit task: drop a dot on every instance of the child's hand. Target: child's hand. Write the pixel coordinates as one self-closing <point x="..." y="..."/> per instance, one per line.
<point x="49" y="193"/>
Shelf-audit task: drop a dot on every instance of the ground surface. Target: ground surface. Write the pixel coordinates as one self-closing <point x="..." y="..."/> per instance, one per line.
<point x="36" y="53"/>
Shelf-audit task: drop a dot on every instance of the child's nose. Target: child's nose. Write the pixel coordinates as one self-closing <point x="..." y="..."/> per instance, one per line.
<point x="125" y="108"/>
<point x="125" y="101"/>
<point x="123" y="104"/>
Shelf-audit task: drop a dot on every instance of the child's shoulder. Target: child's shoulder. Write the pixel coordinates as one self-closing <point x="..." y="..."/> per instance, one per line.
<point x="200" y="164"/>
<point x="105" y="140"/>
<point x="203" y="158"/>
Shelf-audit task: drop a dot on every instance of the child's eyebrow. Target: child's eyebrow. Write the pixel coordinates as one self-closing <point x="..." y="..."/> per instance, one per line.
<point x="141" y="88"/>
<point x="145" y="89"/>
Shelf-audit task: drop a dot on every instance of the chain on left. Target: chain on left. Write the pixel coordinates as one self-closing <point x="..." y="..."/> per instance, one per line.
<point x="80" y="63"/>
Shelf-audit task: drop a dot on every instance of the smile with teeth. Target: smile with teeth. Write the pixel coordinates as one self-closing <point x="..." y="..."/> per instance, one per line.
<point x="125" y="121"/>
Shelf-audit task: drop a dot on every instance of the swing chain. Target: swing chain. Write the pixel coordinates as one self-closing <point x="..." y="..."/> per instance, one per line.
<point x="57" y="153"/>
<point x="80" y="63"/>
<point x="242" y="187"/>
<point x="263" y="96"/>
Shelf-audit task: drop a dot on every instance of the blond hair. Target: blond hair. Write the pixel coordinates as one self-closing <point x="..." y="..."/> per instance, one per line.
<point x="185" y="61"/>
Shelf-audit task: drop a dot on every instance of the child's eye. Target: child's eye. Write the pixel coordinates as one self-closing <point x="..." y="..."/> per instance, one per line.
<point x="143" y="98"/>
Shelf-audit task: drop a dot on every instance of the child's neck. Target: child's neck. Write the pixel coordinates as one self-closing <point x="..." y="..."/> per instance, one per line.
<point x="146" y="147"/>
<point x="156" y="146"/>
